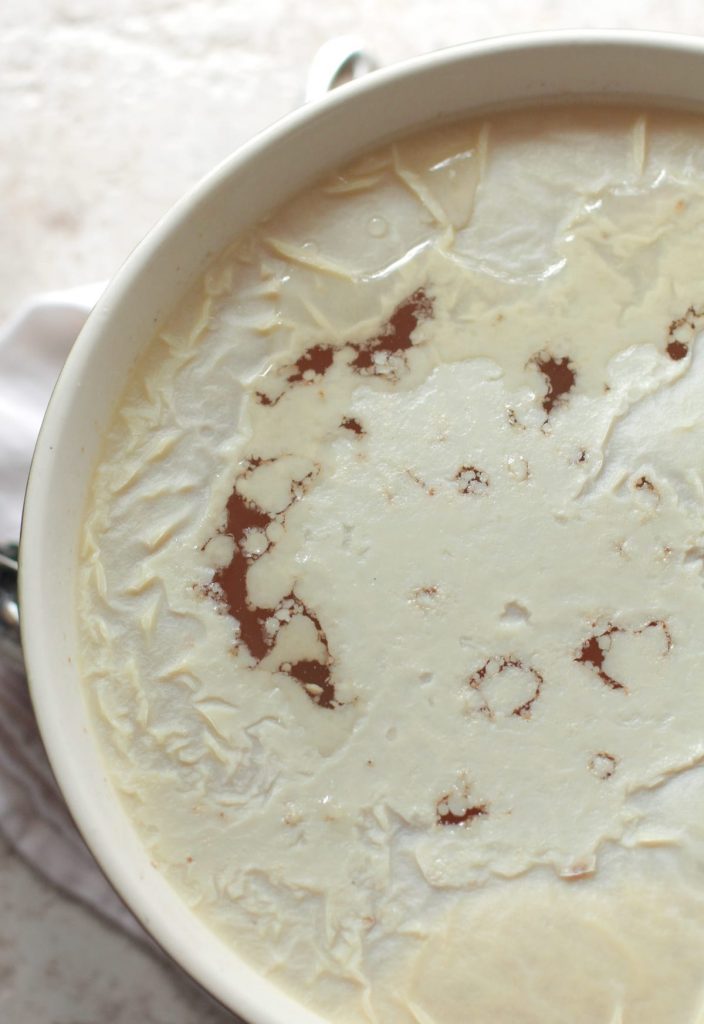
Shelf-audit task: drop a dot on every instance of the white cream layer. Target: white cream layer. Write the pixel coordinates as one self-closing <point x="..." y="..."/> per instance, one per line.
<point x="497" y="819"/>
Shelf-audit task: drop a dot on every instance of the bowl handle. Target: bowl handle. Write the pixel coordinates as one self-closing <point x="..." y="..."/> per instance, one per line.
<point x="338" y="60"/>
<point x="10" y="647"/>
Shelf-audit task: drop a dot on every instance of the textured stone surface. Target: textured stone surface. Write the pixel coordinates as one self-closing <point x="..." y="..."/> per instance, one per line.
<point x="60" y="965"/>
<point x="107" y="114"/>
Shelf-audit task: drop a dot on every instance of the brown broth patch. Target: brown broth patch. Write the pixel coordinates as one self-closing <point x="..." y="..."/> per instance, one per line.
<point x="242" y="516"/>
<point x="258" y="626"/>
<point x="396" y="336"/>
<point x="662" y="625"/>
<point x="493" y="667"/>
<point x="593" y="653"/>
<point x="643" y="483"/>
<point x="560" y="377"/>
<point x="471" y="480"/>
<point x="315" y="362"/>
<point x="602" y="765"/>
<point x="315" y="678"/>
<point x="448" y="817"/>
<point x="677" y="350"/>
<point x="681" y="333"/>
<point x="394" y="339"/>
<point x="595" y="649"/>
<point x="350" y="423"/>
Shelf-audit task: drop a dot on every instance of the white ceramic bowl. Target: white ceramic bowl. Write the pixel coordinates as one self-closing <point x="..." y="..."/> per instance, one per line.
<point x="456" y="82"/>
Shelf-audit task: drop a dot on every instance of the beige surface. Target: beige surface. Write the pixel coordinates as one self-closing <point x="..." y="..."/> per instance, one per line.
<point x="107" y="113"/>
<point x="59" y="965"/>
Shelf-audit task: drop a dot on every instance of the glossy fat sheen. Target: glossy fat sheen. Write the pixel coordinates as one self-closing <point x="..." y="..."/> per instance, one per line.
<point x="497" y="819"/>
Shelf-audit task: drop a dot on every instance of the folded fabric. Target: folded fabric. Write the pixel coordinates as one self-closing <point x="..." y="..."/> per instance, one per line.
<point x="33" y="815"/>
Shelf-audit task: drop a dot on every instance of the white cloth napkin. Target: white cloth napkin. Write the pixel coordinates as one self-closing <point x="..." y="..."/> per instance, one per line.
<point x="33" y="815"/>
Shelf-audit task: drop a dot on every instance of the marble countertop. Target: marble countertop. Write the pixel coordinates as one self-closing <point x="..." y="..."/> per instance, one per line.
<point x="108" y="113"/>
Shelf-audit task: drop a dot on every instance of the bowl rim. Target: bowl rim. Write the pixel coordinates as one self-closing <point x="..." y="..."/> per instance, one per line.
<point x="257" y="1005"/>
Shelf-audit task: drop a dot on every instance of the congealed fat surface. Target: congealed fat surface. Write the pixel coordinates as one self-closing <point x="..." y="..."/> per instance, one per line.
<point x="392" y="585"/>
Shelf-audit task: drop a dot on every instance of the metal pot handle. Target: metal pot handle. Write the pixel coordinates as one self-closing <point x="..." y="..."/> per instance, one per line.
<point x="339" y="60"/>
<point x="10" y="647"/>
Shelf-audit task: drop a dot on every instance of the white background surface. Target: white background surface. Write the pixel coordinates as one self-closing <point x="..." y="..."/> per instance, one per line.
<point x="108" y="113"/>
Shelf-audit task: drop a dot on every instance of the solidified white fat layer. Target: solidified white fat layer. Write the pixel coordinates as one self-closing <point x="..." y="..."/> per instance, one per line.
<point x="447" y="765"/>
